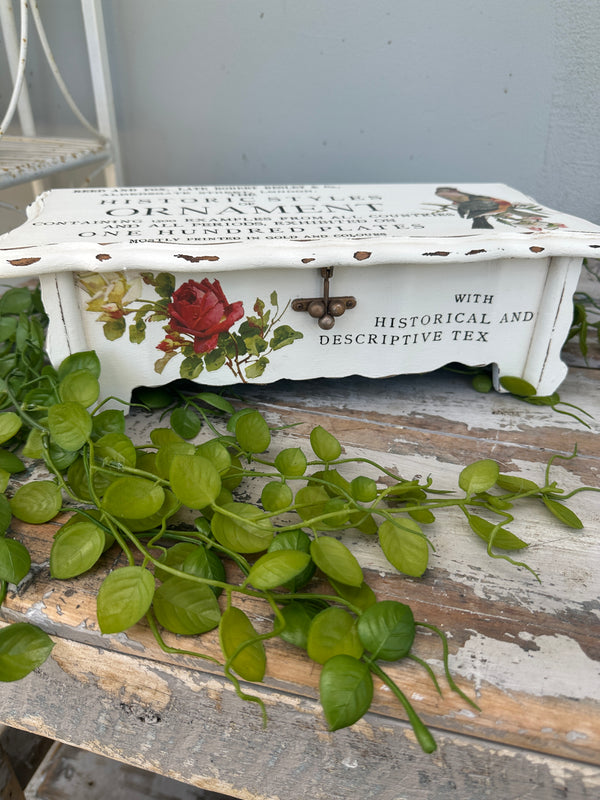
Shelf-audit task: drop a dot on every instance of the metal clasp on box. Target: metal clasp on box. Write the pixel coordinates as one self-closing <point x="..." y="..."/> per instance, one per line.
<point x="325" y="309"/>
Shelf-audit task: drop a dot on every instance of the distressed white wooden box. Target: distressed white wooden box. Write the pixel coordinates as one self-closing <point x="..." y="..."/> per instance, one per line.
<point x="229" y="284"/>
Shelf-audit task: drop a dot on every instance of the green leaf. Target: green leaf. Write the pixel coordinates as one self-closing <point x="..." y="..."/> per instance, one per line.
<point x="247" y="532"/>
<point x="363" y="489"/>
<point x="277" y="568"/>
<point x="235" y="630"/>
<point x="85" y="360"/>
<point x="79" y="387"/>
<point x="479" y="476"/>
<point x="194" y="480"/>
<point x="123" y="598"/>
<point x="276" y="496"/>
<point x="5" y="514"/>
<point x="345" y="690"/>
<point x="10" y="423"/>
<point x="284" y="335"/>
<point x="163" y="460"/>
<point x="174" y="557"/>
<point x="15" y="560"/>
<point x="517" y="386"/>
<point x="10" y="462"/>
<point x="70" y="425"/>
<point x="325" y="446"/>
<point x="170" y="505"/>
<point x="273" y="298"/>
<point x="387" y="630"/>
<point x="137" y="331"/>
<point x="333" y="632"/>
<point x="116" y="448"/>
<point x="252" y="432"/>
<point x="36" y="502"/>
<point x="216" y="401"/>
<point x="295" y="540"/>
<point x="515" y="484"/>
<point x="15" y="301"/>
<point x="205" y="563"/>
<point x="404" y="546"/>
<point x="503" y="539"/>
<point x="561" y="512"/>
<point x="216" y="453"/>
<point x="310" y="501"/>
<point x="291" y="462"/>
<point x="186" y="422"/>
<point x="23" y="648"/>
<point x="76" y="548"/>
<point x="186" y="607"/>
<point x="298" y="616"/>
<point x="360" y="596"/>
<point x="131" y="497"/>
<point x="336" y="561"/>
<point x="109" y="421"/>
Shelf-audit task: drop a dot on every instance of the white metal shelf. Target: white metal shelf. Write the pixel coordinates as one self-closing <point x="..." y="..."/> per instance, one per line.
<point x="27" y="158"/>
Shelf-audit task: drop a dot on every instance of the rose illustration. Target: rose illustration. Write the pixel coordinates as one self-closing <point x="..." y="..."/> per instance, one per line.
<point x="202" y="311"/>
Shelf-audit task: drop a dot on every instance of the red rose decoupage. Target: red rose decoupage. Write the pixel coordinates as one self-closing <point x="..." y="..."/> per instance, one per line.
<point x="202" y="311"/>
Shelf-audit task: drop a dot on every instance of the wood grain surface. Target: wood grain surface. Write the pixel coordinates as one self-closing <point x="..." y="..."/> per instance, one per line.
<point x="527" y="651"/>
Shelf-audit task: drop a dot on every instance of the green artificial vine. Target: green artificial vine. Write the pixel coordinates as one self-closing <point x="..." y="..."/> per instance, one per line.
<point x="130" y="497"/>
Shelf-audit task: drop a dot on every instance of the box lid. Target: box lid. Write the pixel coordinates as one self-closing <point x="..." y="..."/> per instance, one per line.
<point x="291" y="226"/>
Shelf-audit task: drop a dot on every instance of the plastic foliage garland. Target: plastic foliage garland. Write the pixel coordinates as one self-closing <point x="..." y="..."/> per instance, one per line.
<point x="129" y="496"/>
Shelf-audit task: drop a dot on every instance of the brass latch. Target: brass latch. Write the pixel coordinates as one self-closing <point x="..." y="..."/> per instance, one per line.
<point x="325" y="308"/>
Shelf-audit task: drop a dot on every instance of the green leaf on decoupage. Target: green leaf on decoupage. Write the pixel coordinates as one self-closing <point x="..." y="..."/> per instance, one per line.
<point x="273" y="298"/>
<point x="114" y="329"/>
<point x="137" y="332"/>
<point x="215" y="359"/>
<point x="284" y="335"/>
<point x="256" y="370"/>
<point x="191" y="367"/>
<point x="255" y="345"/>
<point x="164" y="284"/>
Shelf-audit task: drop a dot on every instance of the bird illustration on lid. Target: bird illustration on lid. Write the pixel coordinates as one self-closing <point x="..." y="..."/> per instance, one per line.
<point x="477" y="207"/>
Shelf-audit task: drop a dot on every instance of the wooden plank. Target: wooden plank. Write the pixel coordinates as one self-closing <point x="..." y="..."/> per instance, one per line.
<point x="528" y="651"/>
<point x="195" y="730"/>
<point x="10" y="788"/>
<point x="69" y="773"/>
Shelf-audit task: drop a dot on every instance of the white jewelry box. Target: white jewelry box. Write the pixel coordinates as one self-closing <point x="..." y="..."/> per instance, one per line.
<point x="230" y="284"/>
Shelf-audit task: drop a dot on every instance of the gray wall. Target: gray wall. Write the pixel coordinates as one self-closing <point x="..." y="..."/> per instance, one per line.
<point x="450" y="91"/>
